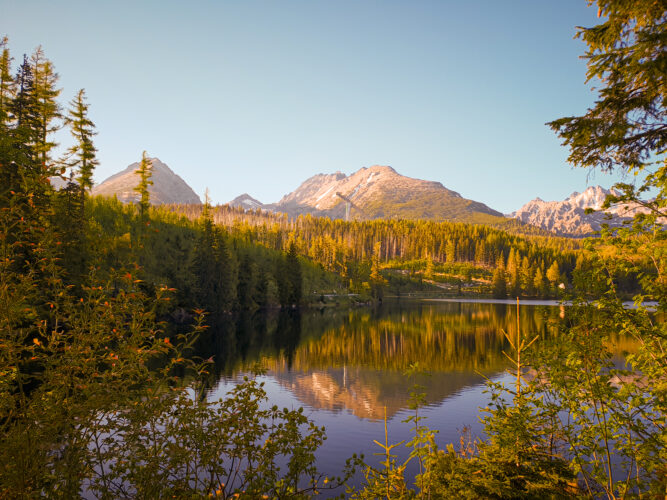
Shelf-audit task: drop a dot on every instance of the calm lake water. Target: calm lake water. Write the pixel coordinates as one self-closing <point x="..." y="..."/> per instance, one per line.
<point x="344" y="367"/>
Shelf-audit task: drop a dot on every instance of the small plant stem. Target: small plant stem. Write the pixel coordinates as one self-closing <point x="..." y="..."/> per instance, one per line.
<point x="518" y="352"/>
<point x="387" y="448"/>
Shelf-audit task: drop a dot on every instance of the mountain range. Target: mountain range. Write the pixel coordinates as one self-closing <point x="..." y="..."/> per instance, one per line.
<point x="569" y="217"/>
<point x="381" y="192"/>
<point x="373" y="193"/>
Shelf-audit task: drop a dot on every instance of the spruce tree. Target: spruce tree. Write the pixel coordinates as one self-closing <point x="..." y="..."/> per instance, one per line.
<point x="226" y="272"/>
<point x="24" y="109"/>
<point x="527" y="277"/>
<point x="23" y="176"/>
<point x="246" y="282"/>
<point x="7" y="84"/>
<point x="204" y="266"/>
<point x="83" y="130"/>
<point x="499" y="283"/>
<point x="294" y="275"/>
<point x="540" y="284"/>
<point x="145" y="171"/>
<point x="47" y="107"/>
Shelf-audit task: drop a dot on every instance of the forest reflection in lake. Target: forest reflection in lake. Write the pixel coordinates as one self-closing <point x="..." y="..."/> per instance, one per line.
<point x="345" y="366"/>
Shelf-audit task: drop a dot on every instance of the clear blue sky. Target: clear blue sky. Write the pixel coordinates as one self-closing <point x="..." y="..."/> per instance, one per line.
<point x="256" y="96"/>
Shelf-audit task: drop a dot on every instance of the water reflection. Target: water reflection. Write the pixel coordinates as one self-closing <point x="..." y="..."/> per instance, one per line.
<point x="353" y="361"/>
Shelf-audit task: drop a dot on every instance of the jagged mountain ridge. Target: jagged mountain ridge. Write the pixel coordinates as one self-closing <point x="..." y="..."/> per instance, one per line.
<point x="569" y="217"/>
<point x="167" y="186"/>
<point x="380" y="192"/>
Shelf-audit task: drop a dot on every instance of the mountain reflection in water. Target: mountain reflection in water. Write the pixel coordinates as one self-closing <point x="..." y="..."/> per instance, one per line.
<point x="345" y="366"/>
<point x="354" y="360"/>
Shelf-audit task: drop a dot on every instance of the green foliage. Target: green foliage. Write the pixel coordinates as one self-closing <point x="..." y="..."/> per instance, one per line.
<point x="82" y="129"/>
<point x="293" y="270"/>
<point x="356" y="250"/>
<point x="47" y="108"/>
<point x="614" y="419"/>
<point x="499" y="283"/>
<point x="626" y="52"/>
<point x="7" y="83"/>
<point x="145" y="172"/>
<point x="389" y="481"/>
<point x="97" y="395"/>
<point x="176" y="445"/>
<point x="518" y="459"/>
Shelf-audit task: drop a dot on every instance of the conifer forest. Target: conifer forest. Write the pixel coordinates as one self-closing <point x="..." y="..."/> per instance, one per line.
<point x="118" y="320"/>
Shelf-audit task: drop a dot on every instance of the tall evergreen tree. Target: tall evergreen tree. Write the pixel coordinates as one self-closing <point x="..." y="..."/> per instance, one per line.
<point x="7" y="84"/>
<point x="499" y="283"/>
<point x="204" y="266"/>
<point x="47" y="107"/>
<point x="83" y="130"/>
<point x="294" y="275"/>
<point x="145" y="171"/>
<point x="22" y="172"/>
<point x="540" y="283"/>
<point x="246" y="282"/>
<point x="24" y="110"/>
<point x="227" y="277"/>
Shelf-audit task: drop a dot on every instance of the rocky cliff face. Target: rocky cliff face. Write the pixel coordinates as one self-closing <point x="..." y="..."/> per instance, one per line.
<point x="167" y="186"/>
<point x="569" y="217"/>
<point x="380" y="192"/>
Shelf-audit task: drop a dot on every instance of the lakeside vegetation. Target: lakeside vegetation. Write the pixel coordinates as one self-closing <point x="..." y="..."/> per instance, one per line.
<point x="501" y="262"/>
<point x="101" y="304"/>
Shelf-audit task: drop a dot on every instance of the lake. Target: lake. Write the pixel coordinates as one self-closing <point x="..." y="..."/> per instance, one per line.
<point x="344" y="367"/>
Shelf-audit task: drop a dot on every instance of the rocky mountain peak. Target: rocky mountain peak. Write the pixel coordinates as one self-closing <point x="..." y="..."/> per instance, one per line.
<point x="167" y="186"/>
<point x="246" y="202"/>
<point x="569" y="217"/>
<point x="379" y="191"/>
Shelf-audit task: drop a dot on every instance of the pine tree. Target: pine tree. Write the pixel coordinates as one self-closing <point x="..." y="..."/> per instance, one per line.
<point x="246" y="282"/>
<point x="69" y="218"/>
<point x="499" y="283"/>
<point x="527" y="277"/>
<point x="377" y="281"/>
<point x="430" y="268"/>
<point x="553" y="275"/>
<point x="450" y="250"/>
<point x="204" y="266"/>
<point x="47" y="107"/>
<point x="24" y="110"/>
<point x="540" y="284"/>
<point x="7" y="84"/>
<point x="22" y="175"/>
<point x="145" y="171"/>
<point x="83" y="130"/>
<point x="226" y="270"/>
<point x="513" y="274"/>
<point x="294" y="275"/>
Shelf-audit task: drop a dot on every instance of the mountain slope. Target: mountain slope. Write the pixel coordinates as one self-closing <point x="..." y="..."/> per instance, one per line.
<point x="380" y="192"/>
<point x="569" y="217"/>
<point x="167" y="186"/>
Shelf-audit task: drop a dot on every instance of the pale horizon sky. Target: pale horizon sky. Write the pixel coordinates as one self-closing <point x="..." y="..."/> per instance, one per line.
<point x="257" y="96"/>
